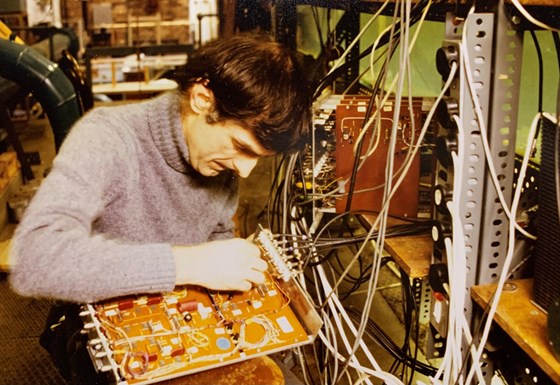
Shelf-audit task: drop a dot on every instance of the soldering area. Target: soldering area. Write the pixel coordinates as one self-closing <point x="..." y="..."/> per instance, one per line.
<point x="415" y="239"/>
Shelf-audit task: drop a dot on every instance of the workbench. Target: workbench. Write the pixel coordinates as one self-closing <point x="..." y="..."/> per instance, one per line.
<point x="522" y="320"/>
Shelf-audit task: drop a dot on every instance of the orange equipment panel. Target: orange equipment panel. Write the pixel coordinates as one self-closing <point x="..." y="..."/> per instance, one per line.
<point x="150" y="338"/>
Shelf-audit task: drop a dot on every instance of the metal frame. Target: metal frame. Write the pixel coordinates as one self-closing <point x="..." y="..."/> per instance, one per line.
<point x="494" y="50"/>
<point x="96" y="52"/>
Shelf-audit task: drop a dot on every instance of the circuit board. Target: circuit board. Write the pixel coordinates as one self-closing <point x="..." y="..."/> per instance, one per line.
<point x="150" y="338"/>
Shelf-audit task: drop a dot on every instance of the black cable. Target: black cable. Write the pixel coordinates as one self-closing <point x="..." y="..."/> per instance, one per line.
<point x="540" y="97"/>
<point x="416" y="14"/>
<point x="556" y="39"/>
<point x="384" y="341"/>
<point x="318" y="27"/>
<point x="393" y="36"/>
<point x="408" y="306"/>
<point x="342" y="69"/>
<point x="556" y="168"/>
<point x="386" y="38"/>
<point x="410" y="309"/>
<point x="375" y="92"/>
<point x="540" y="63"/>
<point x="271" y="193"/>
<point x="392" y="231"/>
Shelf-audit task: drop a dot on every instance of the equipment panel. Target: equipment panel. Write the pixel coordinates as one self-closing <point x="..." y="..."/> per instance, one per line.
<point x="149" y="338"/>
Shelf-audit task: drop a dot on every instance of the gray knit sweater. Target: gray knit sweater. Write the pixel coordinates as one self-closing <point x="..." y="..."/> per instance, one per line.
<point x="120" y="193"/>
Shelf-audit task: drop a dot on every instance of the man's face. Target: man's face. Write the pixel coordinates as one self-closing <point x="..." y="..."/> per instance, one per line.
<point x="219" y="146"/>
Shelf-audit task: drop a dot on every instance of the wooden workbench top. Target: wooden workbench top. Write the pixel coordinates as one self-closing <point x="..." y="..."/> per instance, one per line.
<point x="523" y="321"/>
<point x="412" y="253"/>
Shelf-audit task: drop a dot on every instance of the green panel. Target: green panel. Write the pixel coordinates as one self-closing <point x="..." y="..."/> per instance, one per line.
<point x="426" y="81"/>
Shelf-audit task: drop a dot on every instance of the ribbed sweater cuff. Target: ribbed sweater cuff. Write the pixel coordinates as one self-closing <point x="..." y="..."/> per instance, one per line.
<point x="154" y="270"/>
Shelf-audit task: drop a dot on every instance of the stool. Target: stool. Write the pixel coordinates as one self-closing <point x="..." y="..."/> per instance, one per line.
<point x="256" y="371"/>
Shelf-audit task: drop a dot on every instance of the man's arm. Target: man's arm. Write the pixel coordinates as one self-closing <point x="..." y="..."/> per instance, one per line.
<point x="56" y="252"/>
<point x="232" y="264"/>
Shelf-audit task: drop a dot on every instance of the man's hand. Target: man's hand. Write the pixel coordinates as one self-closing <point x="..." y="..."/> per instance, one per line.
<point x="232" y="264"/>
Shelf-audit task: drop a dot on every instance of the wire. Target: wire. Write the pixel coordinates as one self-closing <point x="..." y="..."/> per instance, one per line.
<point x="484" y="137"/>
<point x="327" y="80"/>
<point x="540" y="97"/>
<point x="529" y="17"/>
<point x="376" y="333"/>
<point x="556" y="40"/>
<point x="318" y="26"/>
<point x="357" y="38"/>
<point x="512" y="226"/>
<point x="540" y="63"/>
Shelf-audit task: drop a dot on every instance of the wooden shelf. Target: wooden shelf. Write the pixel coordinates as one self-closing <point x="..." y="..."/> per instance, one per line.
<point x="523" y="321"/>
<point x="413" y="253"/>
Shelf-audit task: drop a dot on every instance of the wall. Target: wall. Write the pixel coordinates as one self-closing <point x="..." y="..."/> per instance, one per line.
<point x="122" y="10"/>
<point x="426" y="81"/>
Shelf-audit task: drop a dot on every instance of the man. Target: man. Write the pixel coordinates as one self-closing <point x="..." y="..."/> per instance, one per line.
<point x="141" y="197"/>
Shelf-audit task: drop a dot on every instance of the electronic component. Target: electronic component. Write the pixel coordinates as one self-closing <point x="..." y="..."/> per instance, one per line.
<point x="547" y="268"/>
<point x="146" y="339"/>
<point x="337" y="128"/>
<point x="370" y="179"/>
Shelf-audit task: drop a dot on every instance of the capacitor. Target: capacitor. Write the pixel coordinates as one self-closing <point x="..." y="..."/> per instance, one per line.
<point x="126" y="304"/>
<point x="187" y="306"/>
<point x="178" y="351"/>
<point x="154" y="300"/>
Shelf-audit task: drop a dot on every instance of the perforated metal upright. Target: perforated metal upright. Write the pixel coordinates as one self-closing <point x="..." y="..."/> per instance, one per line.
<point x="494" y="49"/>
<point x="502" y="127"/>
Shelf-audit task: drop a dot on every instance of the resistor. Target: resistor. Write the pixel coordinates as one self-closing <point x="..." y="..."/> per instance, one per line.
<point x="176" y="323"/>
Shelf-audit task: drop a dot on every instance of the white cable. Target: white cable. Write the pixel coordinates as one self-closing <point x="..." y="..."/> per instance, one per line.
<point x="429" y="117"/>
<point x="529" y="17"/>
<point x="382" y="217"/>
<point x="389" y="378"/>
<point x="511" y="246"/>
<point x="357" y="38"/>
<point x="375" y="224"/>
<point x="483" y="133"/>
<point x="333" y="300"/>
<point x="453" y="362"/>
<point x="394" y="81"/>
<point x="512" y="221"/>
<point x="456" y="264"/>
<point x="374" y="48"/>
<point x="336" y="307"/>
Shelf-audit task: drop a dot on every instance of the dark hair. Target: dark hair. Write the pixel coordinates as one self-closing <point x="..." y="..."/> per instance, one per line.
<point x="257" y="83"/>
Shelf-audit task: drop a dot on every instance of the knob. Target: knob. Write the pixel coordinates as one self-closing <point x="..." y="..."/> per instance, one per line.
<point x="445" y="145"/>
<point x="442" y="194"/>
<point x="445" y="110"/>
<point x="445" y="57"/>
<point x="440" y="231"/>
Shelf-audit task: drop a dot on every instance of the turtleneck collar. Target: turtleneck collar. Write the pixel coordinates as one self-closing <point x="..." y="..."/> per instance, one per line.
<point x="164" y="120"/>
